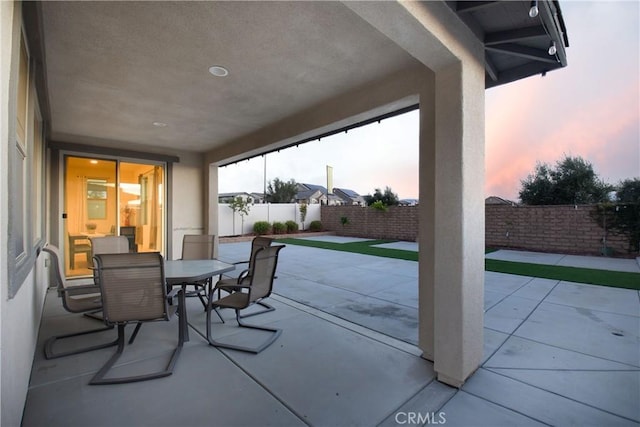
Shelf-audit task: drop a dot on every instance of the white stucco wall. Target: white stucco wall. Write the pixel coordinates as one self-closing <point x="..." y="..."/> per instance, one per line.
<point x="188" y="200"/>
<point x="6" y="16"/>
<point x="19" y="316"/>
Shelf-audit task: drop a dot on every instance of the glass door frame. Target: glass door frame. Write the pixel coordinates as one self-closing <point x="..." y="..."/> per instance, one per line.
<point x="64" y="154"/>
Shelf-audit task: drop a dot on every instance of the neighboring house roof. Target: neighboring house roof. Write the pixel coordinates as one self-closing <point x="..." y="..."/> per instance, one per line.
<point x="408" y="202"/>
<point x="230" y="196"/>
<point x="309" y="191"/>
<point x="258" y="196"/>
<point x="349" y="196"/>
<point x="495" y="200"/>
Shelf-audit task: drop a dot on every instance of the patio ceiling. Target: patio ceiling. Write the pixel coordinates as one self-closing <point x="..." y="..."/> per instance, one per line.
<point x="112" y="69"/>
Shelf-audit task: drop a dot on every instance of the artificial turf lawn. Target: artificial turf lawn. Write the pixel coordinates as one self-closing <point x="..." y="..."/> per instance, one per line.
<point x="617" y="279"/>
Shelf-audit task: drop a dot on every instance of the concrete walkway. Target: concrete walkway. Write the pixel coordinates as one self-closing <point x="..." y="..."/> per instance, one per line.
<point x="556" y="353"/>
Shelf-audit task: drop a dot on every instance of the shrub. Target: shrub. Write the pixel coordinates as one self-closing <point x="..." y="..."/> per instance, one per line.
<point x="279" y="228"/>
<point x="261" y="227"/>
<point x="292" y="226"/>
<point x="315" y="226"/>
<point x="379" y="205"/>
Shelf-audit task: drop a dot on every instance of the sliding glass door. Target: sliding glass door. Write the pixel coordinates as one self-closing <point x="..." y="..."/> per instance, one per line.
<point x="111" y="197"/>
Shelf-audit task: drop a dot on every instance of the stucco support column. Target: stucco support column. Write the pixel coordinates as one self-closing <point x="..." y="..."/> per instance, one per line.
<point x="211" y="203"/>
<point x="426" y="223"/>
<point x="453" y="173"/>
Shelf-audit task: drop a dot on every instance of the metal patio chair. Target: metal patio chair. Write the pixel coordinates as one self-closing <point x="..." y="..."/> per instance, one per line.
<point x="263" y="269"/>
<point x="230" y="284"/>
<point x="134" y="291"/>
<point x="75" y="299"/>
<point x="194" y="247"/>
<point x="106" y="245"/>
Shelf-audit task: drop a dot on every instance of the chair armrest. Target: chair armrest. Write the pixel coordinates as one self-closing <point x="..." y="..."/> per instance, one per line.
<point x="238" y="287"/>
<point x="243" y="275"/>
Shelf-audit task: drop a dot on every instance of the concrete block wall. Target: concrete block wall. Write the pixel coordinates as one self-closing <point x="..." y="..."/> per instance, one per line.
<point x="397" y="223"/>
<point x="566" y="229"/>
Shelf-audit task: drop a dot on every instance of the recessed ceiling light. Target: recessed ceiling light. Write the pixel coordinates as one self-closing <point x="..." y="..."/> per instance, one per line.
<point x="160" y="124"/>
<point x="218" y="71"/>
<point x="93" y="162"/>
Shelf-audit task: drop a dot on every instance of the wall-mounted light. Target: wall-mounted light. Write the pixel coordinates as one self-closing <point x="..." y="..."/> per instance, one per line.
<point x="533" y="10"/>
<point x="552" y="48"/>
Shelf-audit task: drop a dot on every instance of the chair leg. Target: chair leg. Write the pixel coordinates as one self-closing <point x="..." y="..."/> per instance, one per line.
<point x="49" y="353"/>
<point x="99" y="377"/>
<point x="267" y="309"/>
<point x="275" y="333"/>
<point x="135" y="332"/>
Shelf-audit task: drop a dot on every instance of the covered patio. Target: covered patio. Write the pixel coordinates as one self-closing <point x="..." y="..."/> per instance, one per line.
<point x="191" y="86"/>
<point x="347" y="357"/>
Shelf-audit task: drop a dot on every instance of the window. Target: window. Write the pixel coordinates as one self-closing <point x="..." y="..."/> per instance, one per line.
<point x="37" y="176"/>
<point x="96" y="198"/>
<point x="19" y="167"/>
<point x="25" y="169"/>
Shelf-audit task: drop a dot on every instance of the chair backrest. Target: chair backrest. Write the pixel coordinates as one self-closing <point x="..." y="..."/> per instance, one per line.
<point x="263" y="270"/>
<point x="109" y="245"/>
<point x="133" y="287"/>
<point x="198" y="246"/>
<point x="56" y="263"/>
<point x="66" y="292"/>
<point x="259" y="242"/>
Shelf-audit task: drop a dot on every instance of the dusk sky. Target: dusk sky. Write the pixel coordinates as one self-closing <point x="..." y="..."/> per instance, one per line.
<point x="590" y="109"/>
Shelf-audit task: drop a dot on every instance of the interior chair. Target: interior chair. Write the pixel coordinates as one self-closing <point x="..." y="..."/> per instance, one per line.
<point x="78" y="244"/>
<point x="134" y="291"/>
<point x="196" y="247"/>
<point x="263" y="269"/>
<point x="230" y="284"/>
<point x="75" y="299"/>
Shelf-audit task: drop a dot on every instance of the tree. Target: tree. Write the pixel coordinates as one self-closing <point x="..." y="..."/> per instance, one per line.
<point x="623" y="218"/>
<point x="279" y="191"/>
<point x="303" y="213"/>
<point x="572" y="181"/>
<point x="629" y="191"/>
<point x="388" y="198"/>
<point x="241" y="206"/>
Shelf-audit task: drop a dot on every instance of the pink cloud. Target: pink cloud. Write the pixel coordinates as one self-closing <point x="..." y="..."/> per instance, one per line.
<point x="531" y="129"/>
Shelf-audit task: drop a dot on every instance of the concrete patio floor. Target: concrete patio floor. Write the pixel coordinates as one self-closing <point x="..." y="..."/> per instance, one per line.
<point x="556" y="353"/>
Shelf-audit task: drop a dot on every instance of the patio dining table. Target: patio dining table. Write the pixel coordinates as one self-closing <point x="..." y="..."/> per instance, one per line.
<point x="188" y="271"/>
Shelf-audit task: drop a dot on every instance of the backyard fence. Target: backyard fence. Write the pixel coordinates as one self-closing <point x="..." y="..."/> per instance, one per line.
<point x="231" y="223"/>
<point x="566" y="229"/>
<point x="563" y="228"/>
<point x="397" y="222"/>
